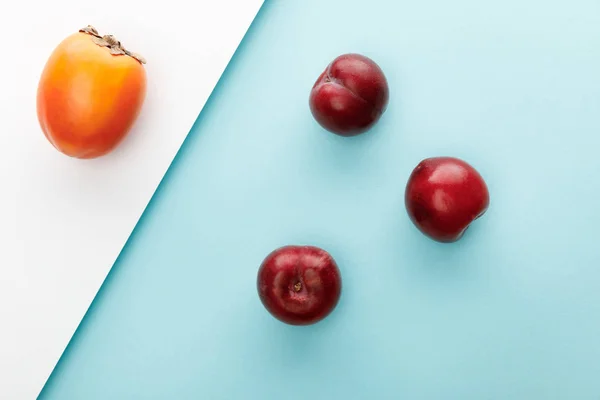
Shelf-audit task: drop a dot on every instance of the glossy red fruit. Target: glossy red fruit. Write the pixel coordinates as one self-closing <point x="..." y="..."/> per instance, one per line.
<point x="299" y="285"/>
<point x="444" y="195"/>
<point x="350" y="95"/>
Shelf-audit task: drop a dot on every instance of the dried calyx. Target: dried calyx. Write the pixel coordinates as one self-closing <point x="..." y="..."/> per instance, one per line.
<point x="116" y="48"/>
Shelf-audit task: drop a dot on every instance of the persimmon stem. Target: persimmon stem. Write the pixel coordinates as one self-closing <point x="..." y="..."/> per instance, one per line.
<point x="116" y="48"/>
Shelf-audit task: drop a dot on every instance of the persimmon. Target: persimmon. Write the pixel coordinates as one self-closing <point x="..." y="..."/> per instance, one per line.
<point x="90" y="94"/>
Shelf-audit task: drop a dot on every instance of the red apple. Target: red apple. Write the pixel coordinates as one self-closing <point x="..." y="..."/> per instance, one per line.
<point x="299" y="285"/>
<point x="350" y="95"/>
<point x="444" y="195"/>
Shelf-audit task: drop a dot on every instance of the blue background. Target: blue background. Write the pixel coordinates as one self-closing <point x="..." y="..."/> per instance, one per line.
<point x="512" y="311"/>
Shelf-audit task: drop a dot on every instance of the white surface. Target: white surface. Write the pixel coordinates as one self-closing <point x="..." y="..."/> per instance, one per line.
<point x="64" y="221"/>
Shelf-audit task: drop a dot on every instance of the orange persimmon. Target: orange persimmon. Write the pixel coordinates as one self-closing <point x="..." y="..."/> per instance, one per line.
<point x="90" y="93"/>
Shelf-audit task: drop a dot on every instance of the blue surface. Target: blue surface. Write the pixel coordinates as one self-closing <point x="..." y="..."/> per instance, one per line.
<point x="512" y="311"/>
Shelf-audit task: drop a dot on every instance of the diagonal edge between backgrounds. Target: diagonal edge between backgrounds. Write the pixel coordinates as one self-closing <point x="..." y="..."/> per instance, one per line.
<point x="154" y="197"/>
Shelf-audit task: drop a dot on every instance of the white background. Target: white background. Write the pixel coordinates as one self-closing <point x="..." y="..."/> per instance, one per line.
<point x="64" y="221"/>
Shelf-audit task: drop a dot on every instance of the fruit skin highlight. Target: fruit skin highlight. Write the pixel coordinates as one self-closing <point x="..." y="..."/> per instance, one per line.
<point x="90" y="93"/>
<point x="299" y="285"/>
<point x="443" y="196"/>
<point x="350" y="96"/>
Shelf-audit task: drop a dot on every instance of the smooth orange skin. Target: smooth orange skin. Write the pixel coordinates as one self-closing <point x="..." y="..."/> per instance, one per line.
<point x="87" y="98"/>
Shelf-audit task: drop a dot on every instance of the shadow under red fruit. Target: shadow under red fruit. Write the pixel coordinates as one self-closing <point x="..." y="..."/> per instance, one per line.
<point x="299" y="285"/>
<point x="444" y="195"/>
<point x="350" y="95"/>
